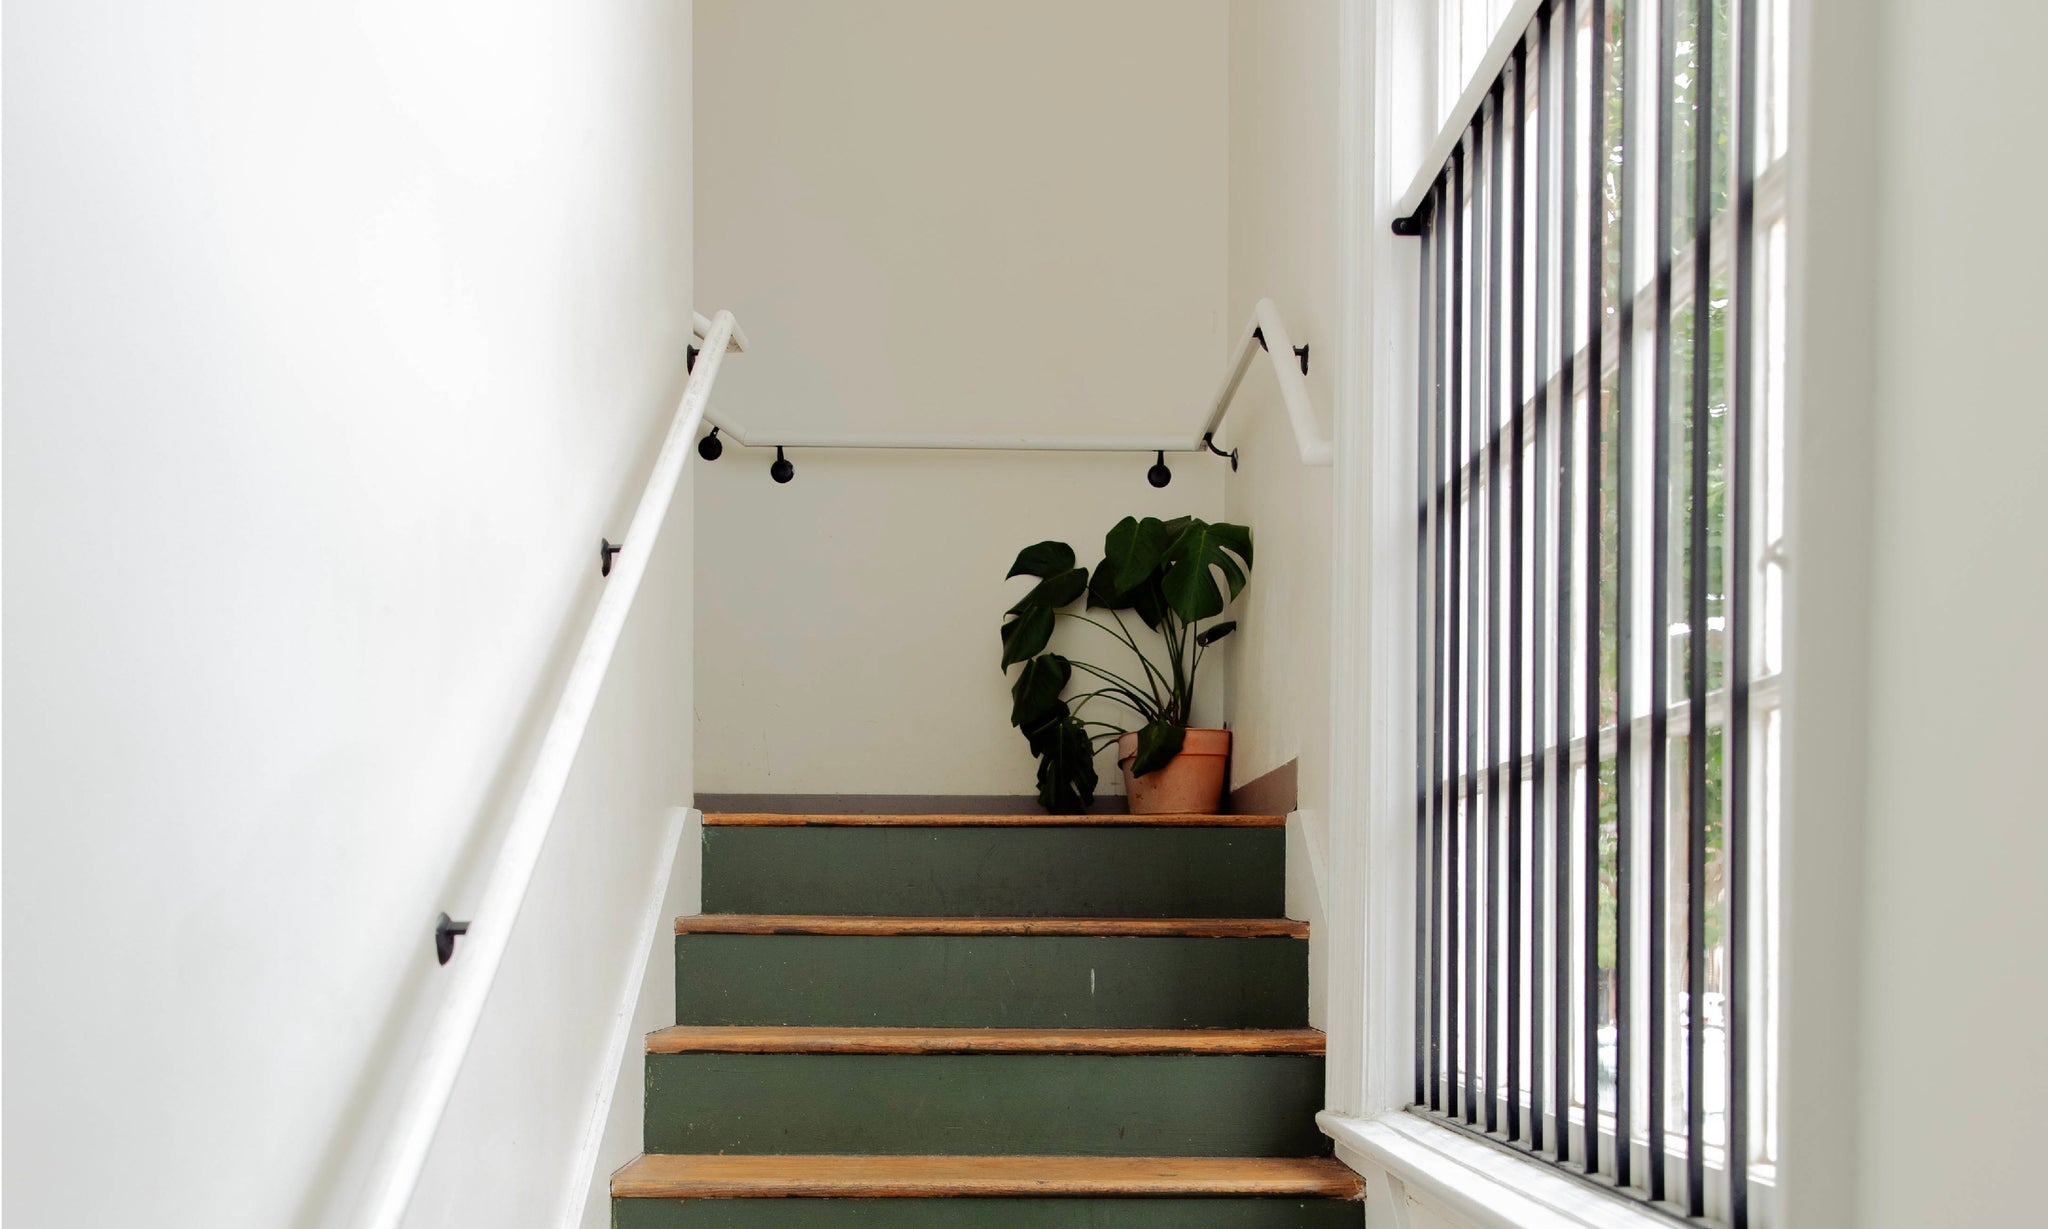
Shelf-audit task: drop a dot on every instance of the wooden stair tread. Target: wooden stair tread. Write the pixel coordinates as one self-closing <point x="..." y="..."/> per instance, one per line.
<point x="870" y="1177"/>
<point x="1140" y="927"/>
<point x="757" y="820"/>
<point x="752" y="1039"/>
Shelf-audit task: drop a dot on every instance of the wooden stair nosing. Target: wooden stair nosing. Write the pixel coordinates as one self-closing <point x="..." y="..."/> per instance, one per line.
<point x="657" y="1176"/>
<point x="739" y="819"/>
<point x="1112" y="927"/>
<point x="787" y="1039"/>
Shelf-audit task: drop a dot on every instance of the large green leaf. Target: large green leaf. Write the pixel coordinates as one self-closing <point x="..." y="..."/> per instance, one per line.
<point x="1043" y="559"/>
<point x="1135" y="549"/>
<point x="1025" y="635"/>
<point x="1066" y="767"/>
<point x="1102" y="591"/>
<point x="1189" y="584"/>
<point x="1158" y="743"/>
<point x="1150" y="603"/>
<point x="1054" y="591"/>
<point x="1035" y="695"/>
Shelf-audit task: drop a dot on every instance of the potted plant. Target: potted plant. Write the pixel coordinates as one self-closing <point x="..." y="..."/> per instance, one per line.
<point x="1166" y="573"/>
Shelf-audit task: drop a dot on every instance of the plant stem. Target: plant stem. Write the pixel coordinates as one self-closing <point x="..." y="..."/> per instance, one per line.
<point x="1128" y="688"/>
<point x="1151" y="672"/>
<point x="1110" y="693"/>
<point x="1177" y="645"/>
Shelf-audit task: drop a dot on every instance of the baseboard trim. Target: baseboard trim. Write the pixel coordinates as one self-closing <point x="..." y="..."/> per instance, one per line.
<point x="620" y="1046"/>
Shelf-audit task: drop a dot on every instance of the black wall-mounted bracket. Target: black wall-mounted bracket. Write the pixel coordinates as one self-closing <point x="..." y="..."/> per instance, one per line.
<point x="690" y="362"/>
<point x="1259" y="335"/>
<point x="1159" y="475"/>
<point x="1209" y="442"/>
<point x="711" y="447"/>
<point x="1409" y="227"/>
<point x="605" y="551"/>
<point x="782" y="470"/>
<point x="446" y="932"/>
<point x="1301" y="352"/>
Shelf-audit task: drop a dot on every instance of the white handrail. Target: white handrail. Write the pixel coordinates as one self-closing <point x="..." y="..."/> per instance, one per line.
<point x="1265" y="323"/>
<point x="396" y="1171"/>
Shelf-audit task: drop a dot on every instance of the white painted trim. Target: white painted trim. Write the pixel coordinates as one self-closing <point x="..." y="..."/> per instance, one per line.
<point x="1484" y="1186"/>
<point x="407" y="1138"/>
<point x="1344" y="960"/>
<point x="1389" y="563"/>
<point x="1301" y="830"/>
<point x="1370" y="967"/>
<point x="1838" y="74"/>
<point x="1265" y="322"/>
<point x="654" y="924"/>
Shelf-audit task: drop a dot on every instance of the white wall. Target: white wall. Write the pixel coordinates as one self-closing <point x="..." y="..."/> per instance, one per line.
<point x="1944" y="1040"/>
<point x="938" y="217"/>
<point x="335" y="337"/>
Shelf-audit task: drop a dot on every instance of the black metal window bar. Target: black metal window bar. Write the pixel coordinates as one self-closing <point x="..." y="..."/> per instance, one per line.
<point x="1590" y="404"/>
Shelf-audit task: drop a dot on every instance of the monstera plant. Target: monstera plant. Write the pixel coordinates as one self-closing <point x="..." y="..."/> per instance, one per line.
<point x="1174" y="578"/>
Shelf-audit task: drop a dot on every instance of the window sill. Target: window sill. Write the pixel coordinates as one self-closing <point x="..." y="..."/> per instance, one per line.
<point x="1485" y="1186"/>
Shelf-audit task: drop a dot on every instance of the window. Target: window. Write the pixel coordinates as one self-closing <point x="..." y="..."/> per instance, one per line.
<point x="1598" y="616"/>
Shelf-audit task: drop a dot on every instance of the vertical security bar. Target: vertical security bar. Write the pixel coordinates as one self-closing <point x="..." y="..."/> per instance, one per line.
<point x="1424" y="446"/>
<point x="1439" y="477"/>
<point x="1511" y="607"/>
<point x="1697" y="734"/>
<point x="1455" y="807"/>
<point x="1567" y="217"/>
<point x="1660" y="599"/>
<point x="1596" y="166"/>
<point x="1742" y="417"/>
<point x="1474" y="717"/>
<point x="1539" y="797"/>
<point x="1624" y="610"/>
<point x="1518" y="101"/>
<point x="1496" y="231"/>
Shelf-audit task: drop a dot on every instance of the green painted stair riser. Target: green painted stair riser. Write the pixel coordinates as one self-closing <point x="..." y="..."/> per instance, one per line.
<point x="987" y="1214"/>
<point x="986" y="1104"/>
<point x="977" y="981"/>
<point x="996" y="872"/>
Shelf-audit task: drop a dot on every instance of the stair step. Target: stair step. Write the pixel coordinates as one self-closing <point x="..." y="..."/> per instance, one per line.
<point x="992" y="972"/>
<point x="748" y="820"/>
<point x="935" y="1177"/>
<point x="1094" y="927"/>
<point x="924" y="1094"/>
<point x="1070" y="1212"/>
<point x="999" y="866"/>
<point x="745" y="1039"/>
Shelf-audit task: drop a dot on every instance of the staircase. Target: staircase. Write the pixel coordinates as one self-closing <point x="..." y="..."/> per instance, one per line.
<point x="1032" y="1022"/>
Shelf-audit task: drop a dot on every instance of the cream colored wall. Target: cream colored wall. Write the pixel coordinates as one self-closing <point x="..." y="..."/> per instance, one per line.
<point x="938" y="217"/>
<point x="1283" y="247"/>
<point x="1283" y="243"/>
<point x="1952" y="843"/>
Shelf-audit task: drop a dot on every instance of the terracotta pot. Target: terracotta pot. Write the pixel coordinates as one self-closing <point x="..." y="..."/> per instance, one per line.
<point x="1190" y="784"/>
